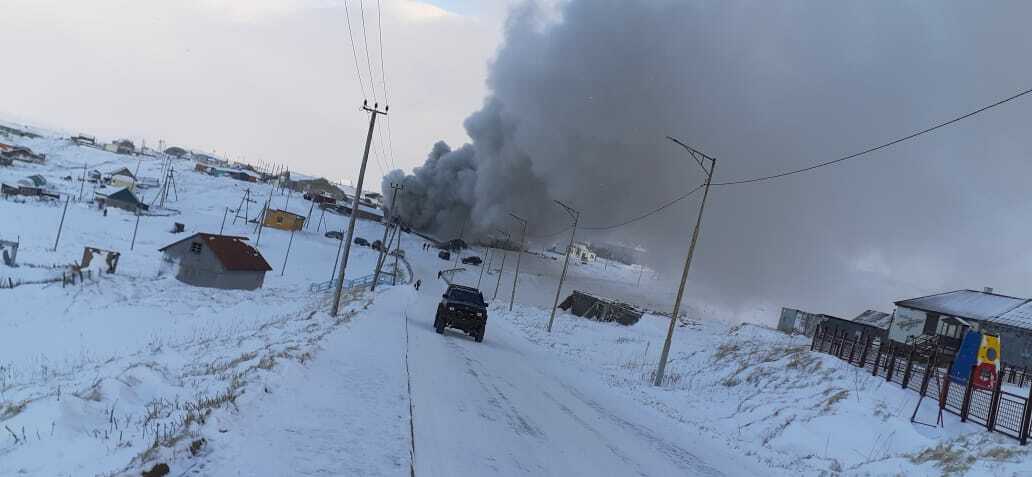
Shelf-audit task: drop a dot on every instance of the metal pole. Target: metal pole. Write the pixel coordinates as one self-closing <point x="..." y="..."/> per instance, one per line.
<point x="83" y="186"/>
<point x="135" y="228"/>
<point x="354" y="206"/>
<point x="566" y="262"/>
<point x="61" y="225"/>
<point x="519" y="255"/>
<point x="223" y="226"/>
<point x="318" y="228"/>
<point x="687" y="265"/>
<point x="285" y="257"/>
<point x="397" y="250"/>
<point x="308" y="218"/>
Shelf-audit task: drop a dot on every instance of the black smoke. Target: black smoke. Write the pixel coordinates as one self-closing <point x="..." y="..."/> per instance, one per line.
<point x="582" y="97"/>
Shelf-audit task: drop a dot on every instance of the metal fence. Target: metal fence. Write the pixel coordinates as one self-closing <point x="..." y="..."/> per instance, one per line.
<point x="922" y="371"/>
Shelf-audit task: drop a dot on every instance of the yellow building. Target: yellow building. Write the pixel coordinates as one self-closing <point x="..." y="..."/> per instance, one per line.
<point x="283" y="220"/>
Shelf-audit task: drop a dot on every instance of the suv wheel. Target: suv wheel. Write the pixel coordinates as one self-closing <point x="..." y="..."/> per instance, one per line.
<point x="479" y="337"/>
<point x="439" y="325"/>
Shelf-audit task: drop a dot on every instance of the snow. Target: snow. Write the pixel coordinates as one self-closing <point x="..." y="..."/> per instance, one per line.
<point x="122" y="371"/>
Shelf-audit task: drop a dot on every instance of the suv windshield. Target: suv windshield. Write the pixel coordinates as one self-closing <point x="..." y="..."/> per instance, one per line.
<point x="464" y="295"/>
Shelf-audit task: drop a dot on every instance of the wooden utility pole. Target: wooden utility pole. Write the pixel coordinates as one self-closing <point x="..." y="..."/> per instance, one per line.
<point x="383" y="243"/>
<point x="136" y="227"/>
<point x="688" y="261"/>
<point x="566" y="262"/>
<point x="61" y="225"/>
<point x="373" y="113"/>
<point x="519" y="254"/>
<point x="502" y="269"/>
<point x="285" y="257"/>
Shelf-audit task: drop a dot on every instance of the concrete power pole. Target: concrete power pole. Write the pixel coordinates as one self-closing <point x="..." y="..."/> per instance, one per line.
<point x="519" y="254"/>
<point x="566" y="262"/>
<point x="688" y="261"/>
<point x="373" y="113"/>
<point x="383" y="243"/>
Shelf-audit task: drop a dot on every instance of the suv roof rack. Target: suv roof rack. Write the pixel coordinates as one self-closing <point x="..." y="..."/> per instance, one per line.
<point x="464" y="287"/>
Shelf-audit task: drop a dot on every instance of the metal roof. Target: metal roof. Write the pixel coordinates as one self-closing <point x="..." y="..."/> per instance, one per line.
<point x="1020" y="317"/>
<point x="965" y="304"/>
<point x="874" y="318"/>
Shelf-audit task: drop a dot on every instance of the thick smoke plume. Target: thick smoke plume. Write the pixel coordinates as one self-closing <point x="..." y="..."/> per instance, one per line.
<point x="582" y="97"/>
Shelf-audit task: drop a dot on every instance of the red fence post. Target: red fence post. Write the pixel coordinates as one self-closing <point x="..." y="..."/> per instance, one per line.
<point x="965" y="405"/>
<point x="994" y="405"/>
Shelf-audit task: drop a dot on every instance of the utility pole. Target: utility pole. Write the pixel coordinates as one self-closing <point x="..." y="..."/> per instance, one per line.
<point x="61" y="225"/>
<point x="481" y="277"/>
<point x="373" y="113"/>
<point x="566" y="262"/>
<point x="688" y="261"/>
<point x="83" y="186"/>
<point x="136" y="227"/>
<point x="500" y="270"/>
<point x="223" y="226"/>
<point x="383" y="243"/>
<point x="519" y="254"/>
<point x="397" y="249"/>
<point x="285" y="257"/>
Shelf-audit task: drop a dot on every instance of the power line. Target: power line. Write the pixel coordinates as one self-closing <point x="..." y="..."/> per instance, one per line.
<point x="386" y="89"/>
<point x="879" y="147"/>
<point x="358" y="69"/>
<point x="365" y="37"/>
<point x="805" y="169"/>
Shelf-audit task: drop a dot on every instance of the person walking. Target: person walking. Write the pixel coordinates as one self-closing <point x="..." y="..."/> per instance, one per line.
<point x="418" y="283"/>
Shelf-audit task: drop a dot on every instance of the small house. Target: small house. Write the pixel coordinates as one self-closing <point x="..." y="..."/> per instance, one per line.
<point x="84" y="140"/>
<point x="793" y="321"/>
<point x="217" y="261"/>
<point x="947" y="317"/>
<point x="24" y="154"/>
<point x="581" y="251"/>
<point x="122" y="178"/>
<point x="283" y="220"/>
<point x="176" y="151"/>
<point x="121" y="199"/>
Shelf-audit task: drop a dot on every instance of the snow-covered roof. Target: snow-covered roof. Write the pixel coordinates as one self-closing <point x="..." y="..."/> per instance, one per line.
<point x="874" y="318"/>
<point x="1020" y="317"/>
<point x="965" y="304"/>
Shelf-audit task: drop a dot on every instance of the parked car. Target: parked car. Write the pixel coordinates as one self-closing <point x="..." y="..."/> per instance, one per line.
<point x="444" y="255"/>
<point x="463" y="308"/>
<point x="398" y="253"/>
<point x="335" y="234"/>
<point x="361" y="241"/>
<point x="472" y="260"/>
<point x="377" y="245"/>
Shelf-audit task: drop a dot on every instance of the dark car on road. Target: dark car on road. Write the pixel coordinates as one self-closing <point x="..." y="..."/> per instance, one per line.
<point x="472" y="260"/>
<point x="335" y="234"/>
<point x="463" y="308"/>
<point x="361" y="241"/>
<point x="444" y="255"/>
<point x="377" y="245"/>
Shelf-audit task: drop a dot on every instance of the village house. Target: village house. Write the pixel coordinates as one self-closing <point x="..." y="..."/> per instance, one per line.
<point x="84" y="140"/>
<point x="364" y="211"/>
<point x="946" y="317"/>
<point x="283" y="220"/>
<point x="121" y="146"/>
<point x="121" y="199"/>
<point x="23" y="154"/>
<point x="217" y="261"/>
<point x="316" y="186"/>
<point x="122" y="178"/>
<point x="176" y="151"/>
<point x="581" y="251"/>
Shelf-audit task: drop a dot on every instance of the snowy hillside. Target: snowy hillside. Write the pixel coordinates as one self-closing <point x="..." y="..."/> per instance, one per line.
<point x="114" y="374"/>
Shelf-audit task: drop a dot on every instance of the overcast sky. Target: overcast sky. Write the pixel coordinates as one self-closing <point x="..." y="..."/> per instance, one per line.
<point x="269" y="79"/>
<point x="580" y="107"/>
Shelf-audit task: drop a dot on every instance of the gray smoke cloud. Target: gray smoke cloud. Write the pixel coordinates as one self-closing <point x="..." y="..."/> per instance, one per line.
<point x="580" y="101"/>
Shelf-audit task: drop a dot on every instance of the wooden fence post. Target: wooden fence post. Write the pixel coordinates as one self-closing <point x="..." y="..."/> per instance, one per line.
<point x="816" y="334"/>
<point x="994" y="405"/>
<point x="852" y="350"/>
<point x="892" y="364"/>
<point x="1025" y="418"/>
<point x="867" y="347"/>
<point x="945" y="391"/>
<point x="965" y="405"/>
<point x="877" y="358"/>
<point x="910" y="365"/>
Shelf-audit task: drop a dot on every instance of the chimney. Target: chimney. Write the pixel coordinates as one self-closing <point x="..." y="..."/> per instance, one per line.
<point x="988" y="289"/>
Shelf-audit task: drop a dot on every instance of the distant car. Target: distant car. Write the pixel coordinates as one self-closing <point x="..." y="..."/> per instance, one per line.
<point x="444" y="255"/>
<point x="472" y="260"/>
<point x="463" y="308"/>
<point x="334" y="234"/>
<point x="398" y="253"/>
<point x="377" y="245"/>
<point x="361" y="241"/>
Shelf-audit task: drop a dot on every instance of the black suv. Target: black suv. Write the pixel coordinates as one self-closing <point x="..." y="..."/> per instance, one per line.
<point x="472" y="260"/>
<point x="462" y="308"/>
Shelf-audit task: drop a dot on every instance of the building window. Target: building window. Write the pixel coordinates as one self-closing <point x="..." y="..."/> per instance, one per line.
<point x="195" y="247"/>
<point x="279" y="219"/>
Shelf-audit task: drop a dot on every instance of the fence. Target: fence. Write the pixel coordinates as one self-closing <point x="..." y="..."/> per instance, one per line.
<point x="921" y="370"/>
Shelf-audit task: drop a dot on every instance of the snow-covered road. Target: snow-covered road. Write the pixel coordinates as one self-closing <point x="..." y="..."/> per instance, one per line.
<point x="498" y="408"/>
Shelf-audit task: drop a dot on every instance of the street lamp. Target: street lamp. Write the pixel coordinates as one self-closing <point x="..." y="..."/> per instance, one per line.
<point x="696" y="155"/>
<point x="566" y="262"/>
